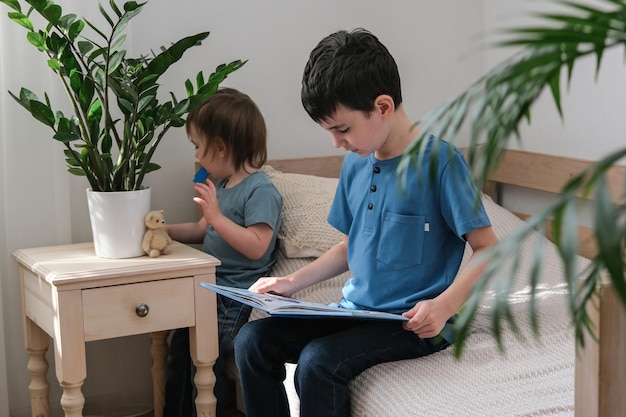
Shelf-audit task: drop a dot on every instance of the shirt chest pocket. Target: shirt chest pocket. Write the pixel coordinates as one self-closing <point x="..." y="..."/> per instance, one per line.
<point x="401" y="240"/>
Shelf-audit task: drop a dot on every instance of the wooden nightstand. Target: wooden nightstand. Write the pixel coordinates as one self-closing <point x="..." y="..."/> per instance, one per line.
<point x="75" y="297"/>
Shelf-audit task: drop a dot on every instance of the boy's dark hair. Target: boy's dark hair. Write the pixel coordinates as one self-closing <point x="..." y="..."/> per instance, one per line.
<point x="351" y="69"/>
<point x="232" y="116"/>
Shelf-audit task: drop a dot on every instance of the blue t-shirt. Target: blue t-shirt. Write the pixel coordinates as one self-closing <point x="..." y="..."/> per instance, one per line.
<point x="254" y="200"/>
<point x="404" y="244"/>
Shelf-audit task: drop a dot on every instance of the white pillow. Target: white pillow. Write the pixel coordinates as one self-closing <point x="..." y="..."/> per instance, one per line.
<point x="304" y="231"/>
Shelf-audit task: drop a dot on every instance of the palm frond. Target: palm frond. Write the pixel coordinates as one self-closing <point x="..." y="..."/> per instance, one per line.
<point x="495" y="106"/>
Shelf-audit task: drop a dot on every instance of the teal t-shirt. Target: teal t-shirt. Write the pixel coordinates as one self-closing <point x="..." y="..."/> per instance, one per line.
<point x="404" y="245"/>
<point x="254" y="200"/>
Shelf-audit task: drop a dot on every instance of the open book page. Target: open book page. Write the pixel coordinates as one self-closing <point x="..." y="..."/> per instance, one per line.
<point x="277" y="305"/>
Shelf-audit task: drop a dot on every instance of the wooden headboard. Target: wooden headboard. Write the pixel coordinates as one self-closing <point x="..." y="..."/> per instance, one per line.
<point x="600" y="367"/>
<point x="530" y="170"/>
<point x="322" y="166"/>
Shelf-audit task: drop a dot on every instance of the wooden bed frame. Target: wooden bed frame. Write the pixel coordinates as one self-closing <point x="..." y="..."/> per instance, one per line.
<point x="601" y="366"/>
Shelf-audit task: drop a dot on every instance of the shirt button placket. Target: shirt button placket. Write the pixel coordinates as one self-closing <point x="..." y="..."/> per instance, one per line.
<point x="373" y="187"/>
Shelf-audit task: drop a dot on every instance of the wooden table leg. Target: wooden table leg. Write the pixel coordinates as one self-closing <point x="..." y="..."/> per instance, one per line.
<point x="158" y="350"/>
<point x="37" y="342"/>
<point x="205" y="381"/>
<point x="72" y="399"/>
<point x="204" y="346"/>
<point x="69" y="350"/>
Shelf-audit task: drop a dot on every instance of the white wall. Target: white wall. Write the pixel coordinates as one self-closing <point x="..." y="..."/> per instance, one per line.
<point x="4" y="391"/>
<point x="593" y="121"/>
<point x="42" y="205"/>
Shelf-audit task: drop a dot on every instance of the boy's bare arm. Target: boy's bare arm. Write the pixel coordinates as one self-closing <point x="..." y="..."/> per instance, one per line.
<point x="330" y="264"/>
<point x="428" y="317"/>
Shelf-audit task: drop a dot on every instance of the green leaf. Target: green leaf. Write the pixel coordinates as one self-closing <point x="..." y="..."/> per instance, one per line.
<point x="66" y="21"/>
<point x="189" y="87"/>
<point x="151" y="167"/>
<point x="200" y="80"/>
<point x="26" y="96"/>
<point x="22" y="103"/>
<point x="63" y="124"/>
<point x="95" y="112"/>
<point x="21" y="20"/>
<point x="75" y="29"/>
<point x="106" y="144"/>
<point x="14" y="4"/>
<point x="125" y="105"/>
<point x="115" y="60"/>
<point x="76" y="171"/>
<point x="95" y="54"/>
<point x="86" y="94"/>
<point x="555" y="88"/>
<point x="84" y="47"/>
<point x="38" y="5"/>
<point x="76" y="80"/>
<point x="130" y="6"/>
<point x="212" y="84"/>
<point x="66" y="137"/>
<point x="148" y="80"/>
<point x="609" y="242"/>
<point x="177" y="122"/>
<point x="117" y="44"/>
<point x="169" y="56"/>
<point x="52" y="13"/>
<point x="37" y="40"/>
<point x="54" y="64"/>
<point x="115" y="9"/>
<point x="131" y="9"/>
<point x="99" y="78"/>
<point x="106" y="16"/>
<point x="42" y="112"/>
<point x="144" y="102"/>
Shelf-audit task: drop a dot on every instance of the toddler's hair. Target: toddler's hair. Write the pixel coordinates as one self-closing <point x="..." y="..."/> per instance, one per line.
<point x="233" y="117"/>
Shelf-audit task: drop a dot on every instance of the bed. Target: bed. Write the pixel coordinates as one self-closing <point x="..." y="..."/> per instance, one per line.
<point x="532" y="377"/>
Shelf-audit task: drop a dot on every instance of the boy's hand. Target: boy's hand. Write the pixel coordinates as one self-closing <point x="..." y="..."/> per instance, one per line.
<point x="276" y="285"/>
<point x="426" y="319"/>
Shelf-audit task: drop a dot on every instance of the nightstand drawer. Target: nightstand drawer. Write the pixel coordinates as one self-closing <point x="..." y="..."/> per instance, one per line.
<point x="124" y="310"/>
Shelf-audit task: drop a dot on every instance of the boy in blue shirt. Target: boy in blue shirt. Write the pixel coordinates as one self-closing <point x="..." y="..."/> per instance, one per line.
<point x="403" y="246"/>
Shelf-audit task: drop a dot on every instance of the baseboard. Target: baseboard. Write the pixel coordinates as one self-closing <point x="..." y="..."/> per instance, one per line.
<point x="102" y="406"/>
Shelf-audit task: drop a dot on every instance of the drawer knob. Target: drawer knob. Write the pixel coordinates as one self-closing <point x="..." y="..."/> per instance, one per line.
<point x="142" y="310"/>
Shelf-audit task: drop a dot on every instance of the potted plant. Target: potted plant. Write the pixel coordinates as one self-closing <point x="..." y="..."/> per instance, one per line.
<point x="117" y="119"/>
<point x="496" y="105"/>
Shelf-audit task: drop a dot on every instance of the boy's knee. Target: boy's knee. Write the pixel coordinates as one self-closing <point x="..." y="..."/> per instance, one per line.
<point x="250" y="338"/>
<point x="244" y="336"/>
<point x="315" y="359"/>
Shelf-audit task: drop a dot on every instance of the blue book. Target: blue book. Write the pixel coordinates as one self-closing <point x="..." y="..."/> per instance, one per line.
<point x="277" y="305"/>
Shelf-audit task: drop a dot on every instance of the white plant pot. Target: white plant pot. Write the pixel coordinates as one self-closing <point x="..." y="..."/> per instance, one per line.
<point x="117" y="221"/>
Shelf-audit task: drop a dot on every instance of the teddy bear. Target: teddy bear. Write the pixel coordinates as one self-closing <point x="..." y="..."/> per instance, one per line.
<point x="156" y="241"/>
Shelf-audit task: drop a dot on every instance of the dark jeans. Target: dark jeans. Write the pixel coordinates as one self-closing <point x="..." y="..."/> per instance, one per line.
<point x="180" y="391"/>
<point x="329" y="354"/>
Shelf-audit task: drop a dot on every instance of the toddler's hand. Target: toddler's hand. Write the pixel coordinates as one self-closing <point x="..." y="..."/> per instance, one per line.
<point x="207" y="199"/>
